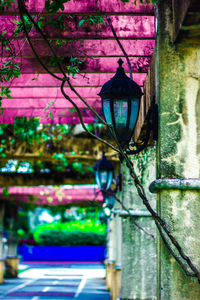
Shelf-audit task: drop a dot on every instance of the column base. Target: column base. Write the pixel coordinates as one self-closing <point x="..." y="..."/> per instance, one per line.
<point x="109" y="270"/>
<point x="12" y="266"/>
<point x="116" y="282"/>
<point x="1" y="271"/>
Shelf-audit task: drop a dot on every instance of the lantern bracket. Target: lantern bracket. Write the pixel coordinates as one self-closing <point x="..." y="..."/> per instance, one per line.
<point x="151" y="131"/>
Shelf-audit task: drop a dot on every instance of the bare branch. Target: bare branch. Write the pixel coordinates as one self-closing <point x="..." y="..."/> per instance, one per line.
<point x="120" y="45"/>
<point x="81" y="119"/>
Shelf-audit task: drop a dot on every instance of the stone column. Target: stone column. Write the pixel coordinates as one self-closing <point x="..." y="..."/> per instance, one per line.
<point x="138" y="248"/>
<point x="1" y="242"/>
<point x="118" y="266"/>
<point x="178" y="157"/>
<point x="117" y="232"/>
<point x="110" y="262"/>
<point x="12" y="257"/>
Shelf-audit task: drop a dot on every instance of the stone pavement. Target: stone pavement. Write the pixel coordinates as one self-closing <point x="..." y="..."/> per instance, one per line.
<point x="56" y="281"/>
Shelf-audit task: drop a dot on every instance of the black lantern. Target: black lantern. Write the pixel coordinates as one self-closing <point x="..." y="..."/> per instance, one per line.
<point x="103" y="171"/>
<point x="121" y="102"/>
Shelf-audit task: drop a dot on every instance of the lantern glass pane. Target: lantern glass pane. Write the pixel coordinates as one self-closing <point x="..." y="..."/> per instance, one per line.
<point x="120" y="113"/>
<point x="106" y="111"/>
<point x="97" y="179"/>
<point x="109" y="182"/>
<point x="134" y="113"/>
<point x="103" y="179"/>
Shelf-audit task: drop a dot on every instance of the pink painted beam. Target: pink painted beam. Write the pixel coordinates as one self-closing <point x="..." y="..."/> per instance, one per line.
<point x="41" y="112"/>
<point x="93" y="48"/>
<point x="94" y="79"/>
<point x="52" y="92"/>
<point x="52" y="201"/>
<point x="53" y="196"/>
<point x="30" y="112"/>
<point x="92" y="6"/>
<point x="54" y="120"/>
<point x="41" y="103"/>
<point x="101" y="64"/>
<point x="129" y="27"/>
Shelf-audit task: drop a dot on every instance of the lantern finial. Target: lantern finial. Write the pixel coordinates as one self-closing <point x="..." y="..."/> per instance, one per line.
<point x="120" y="62"/>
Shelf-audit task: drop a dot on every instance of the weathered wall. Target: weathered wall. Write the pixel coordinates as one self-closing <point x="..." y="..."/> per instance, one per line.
<point x="178" y="96"/>
<point x="138" y="249"/>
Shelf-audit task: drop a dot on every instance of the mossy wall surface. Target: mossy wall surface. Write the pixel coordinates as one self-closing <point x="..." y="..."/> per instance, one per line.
<point x="180" y="210"/>
<point x="178" y="96"/>
<point x="139" y="249"/>
<point x="145" y="168"/>
<point x="179" y="102"/>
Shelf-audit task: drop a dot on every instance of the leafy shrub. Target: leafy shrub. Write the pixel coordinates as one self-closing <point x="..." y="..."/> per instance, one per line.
<point x="71" y="238"/>
<point x="74" y="233"/>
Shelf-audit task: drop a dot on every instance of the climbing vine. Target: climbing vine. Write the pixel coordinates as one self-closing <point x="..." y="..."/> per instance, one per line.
<point x="171" y="243"/>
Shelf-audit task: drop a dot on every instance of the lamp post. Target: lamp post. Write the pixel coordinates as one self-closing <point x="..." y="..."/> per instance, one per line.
<point x="121" y="98"/>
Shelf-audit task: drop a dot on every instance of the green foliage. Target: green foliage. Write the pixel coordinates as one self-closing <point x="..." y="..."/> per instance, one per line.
<point x="21" y="233"/>
<point x="4" y="41"/>
<point x="5" y="192"/>
<point x="53" y="6"/>
<point x="84" y="226"/>
<point x="61" y="157"/>
<point x="5" y="91"/>
<point x="26" y="129"/>
<point x="54" y="61"/>
<point x="73" y="68"/>
<point x="58" y="22"/>
<point x="73" y="238"/>
<point x="6" y="3"/>
<point x="19" y="25"/>
<point x="9" y="70"/>
<point x="78" y="167"/>
<point x="92" y="19"/>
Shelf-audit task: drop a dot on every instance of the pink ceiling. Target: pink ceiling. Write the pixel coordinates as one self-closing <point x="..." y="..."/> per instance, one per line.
<point x="134" y="26"/>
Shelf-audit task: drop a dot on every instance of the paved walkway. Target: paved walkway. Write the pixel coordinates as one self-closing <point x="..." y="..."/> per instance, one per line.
<point x="54" y="281"/>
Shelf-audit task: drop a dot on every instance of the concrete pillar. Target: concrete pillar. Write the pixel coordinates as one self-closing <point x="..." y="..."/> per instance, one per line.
<point x="116" y="263"/>
<point x="138" y="249"/>
<point x="178" y="159"/>
<point x="12" y="257"/>
<point x="117" y="232"/>
<point x="1" y="243"/>
<point x="110" y="262"/>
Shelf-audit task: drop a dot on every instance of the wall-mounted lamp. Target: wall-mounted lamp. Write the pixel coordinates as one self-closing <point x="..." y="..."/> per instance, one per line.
<point x="121" y="99"/>
<point x="103" y="171"/>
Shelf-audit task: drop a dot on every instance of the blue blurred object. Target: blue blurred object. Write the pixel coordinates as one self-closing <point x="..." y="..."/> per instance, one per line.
<point x="62" y="253"/>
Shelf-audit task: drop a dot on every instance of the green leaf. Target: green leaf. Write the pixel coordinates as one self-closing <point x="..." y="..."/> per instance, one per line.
<point x="5" y="192"/>
<point x="81" y="23"/>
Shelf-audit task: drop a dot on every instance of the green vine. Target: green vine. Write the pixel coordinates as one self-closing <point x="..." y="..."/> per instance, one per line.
<point x="6" y="4"/>
<point x="92" y="19"/>
<point x="53" y="6"/>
